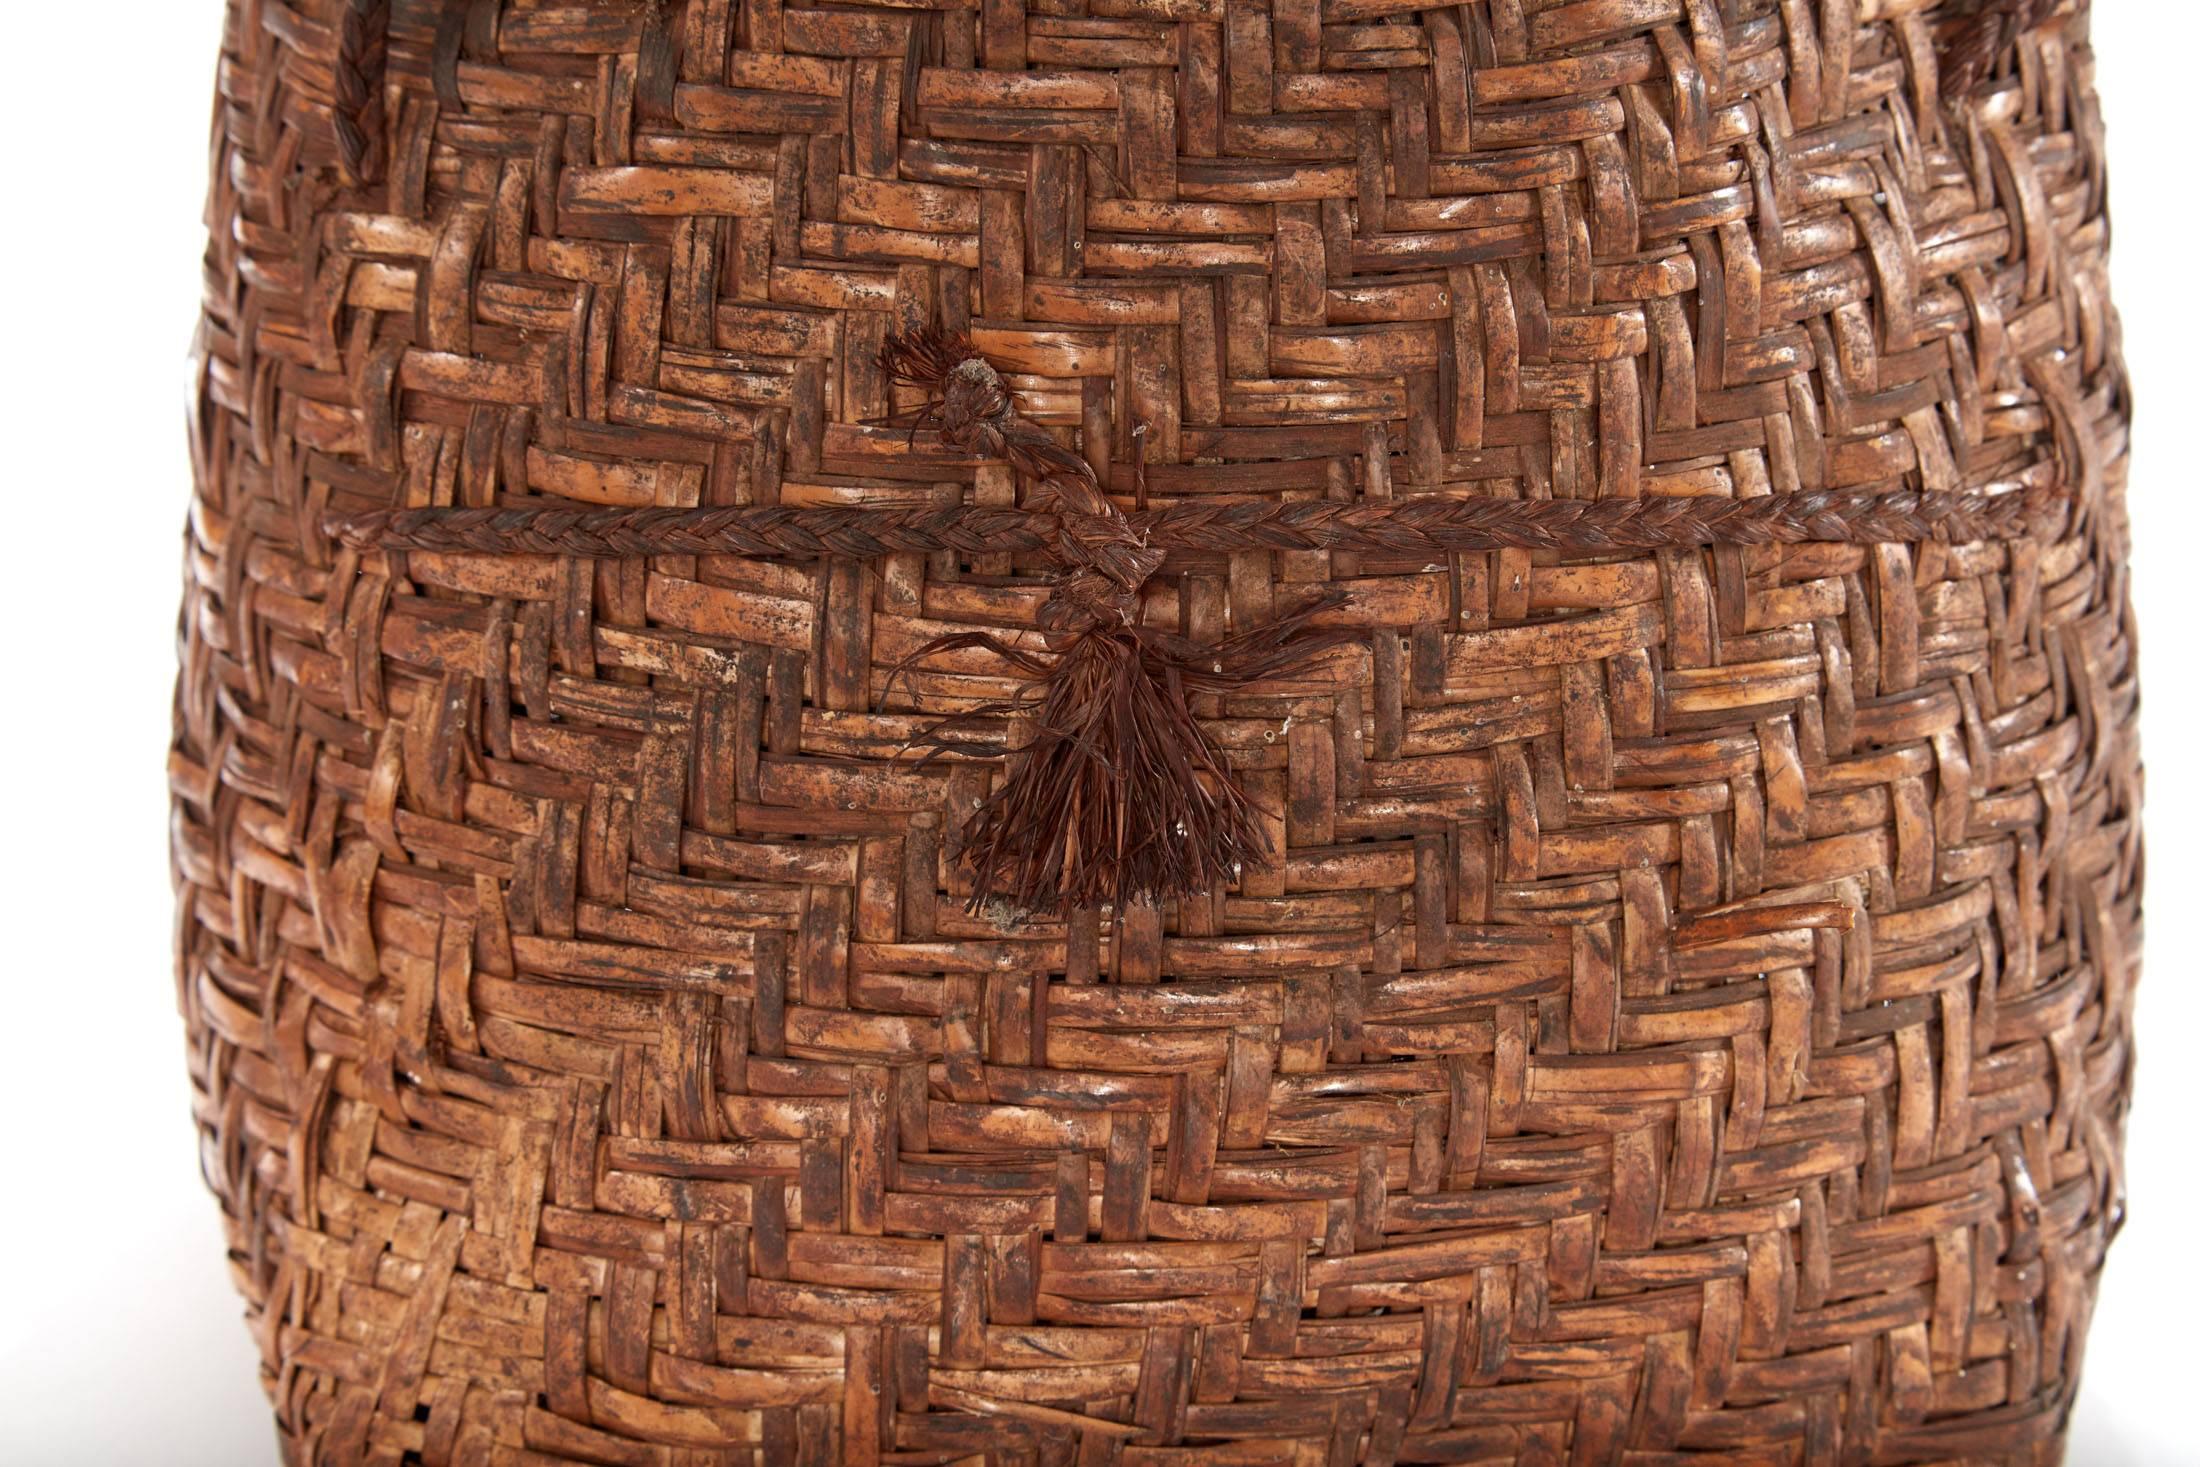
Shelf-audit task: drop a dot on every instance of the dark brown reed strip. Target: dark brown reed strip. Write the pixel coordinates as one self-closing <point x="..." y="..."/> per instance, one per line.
<point x="746" y="530"/>
<point x="1412" y="526"/>
<point x="1969" y="48"/>
<point x="362" y="57"/>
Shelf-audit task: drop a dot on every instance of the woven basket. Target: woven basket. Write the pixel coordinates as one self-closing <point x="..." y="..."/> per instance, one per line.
<point x="1160" y="731"/>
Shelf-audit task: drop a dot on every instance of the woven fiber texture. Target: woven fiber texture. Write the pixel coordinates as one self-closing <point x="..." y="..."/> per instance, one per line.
<point x="1684" y="1013"/>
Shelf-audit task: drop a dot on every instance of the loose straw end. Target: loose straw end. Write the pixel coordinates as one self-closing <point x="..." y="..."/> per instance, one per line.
<point x="359" y="529"/>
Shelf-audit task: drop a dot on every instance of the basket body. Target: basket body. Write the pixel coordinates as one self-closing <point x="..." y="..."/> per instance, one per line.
<point x="1688" y="1017"/>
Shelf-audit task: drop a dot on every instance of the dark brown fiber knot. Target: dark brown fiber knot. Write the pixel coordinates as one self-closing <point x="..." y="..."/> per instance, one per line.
<point x="1106" y="561"/>
<point x="1119" y="795"/>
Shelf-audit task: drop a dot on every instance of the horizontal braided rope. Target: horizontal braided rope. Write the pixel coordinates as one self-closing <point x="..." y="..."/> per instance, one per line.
<point x="1413" y="526"/>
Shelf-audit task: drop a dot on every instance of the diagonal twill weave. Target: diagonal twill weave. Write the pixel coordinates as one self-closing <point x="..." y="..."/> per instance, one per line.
<point x="1688" y="1016"/>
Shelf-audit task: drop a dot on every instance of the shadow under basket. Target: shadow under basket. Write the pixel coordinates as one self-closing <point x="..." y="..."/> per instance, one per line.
<point x="1175" y="733"/>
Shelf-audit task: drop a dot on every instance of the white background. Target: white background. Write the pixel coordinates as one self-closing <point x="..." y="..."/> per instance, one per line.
<point x="122" y="1338"/>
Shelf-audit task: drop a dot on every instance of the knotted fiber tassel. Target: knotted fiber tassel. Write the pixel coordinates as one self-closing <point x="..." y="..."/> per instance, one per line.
<point x="1119" y="795"/>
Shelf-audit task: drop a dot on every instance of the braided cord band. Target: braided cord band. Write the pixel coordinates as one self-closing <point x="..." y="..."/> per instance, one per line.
<point x="1414" y="526"/>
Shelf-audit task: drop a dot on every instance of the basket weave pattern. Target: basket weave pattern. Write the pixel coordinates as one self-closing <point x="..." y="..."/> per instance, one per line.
<point x="1687" y="1016"/>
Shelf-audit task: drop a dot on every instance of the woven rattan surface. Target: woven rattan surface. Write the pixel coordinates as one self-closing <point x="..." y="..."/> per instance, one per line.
<point x="1687" y="1015"/>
